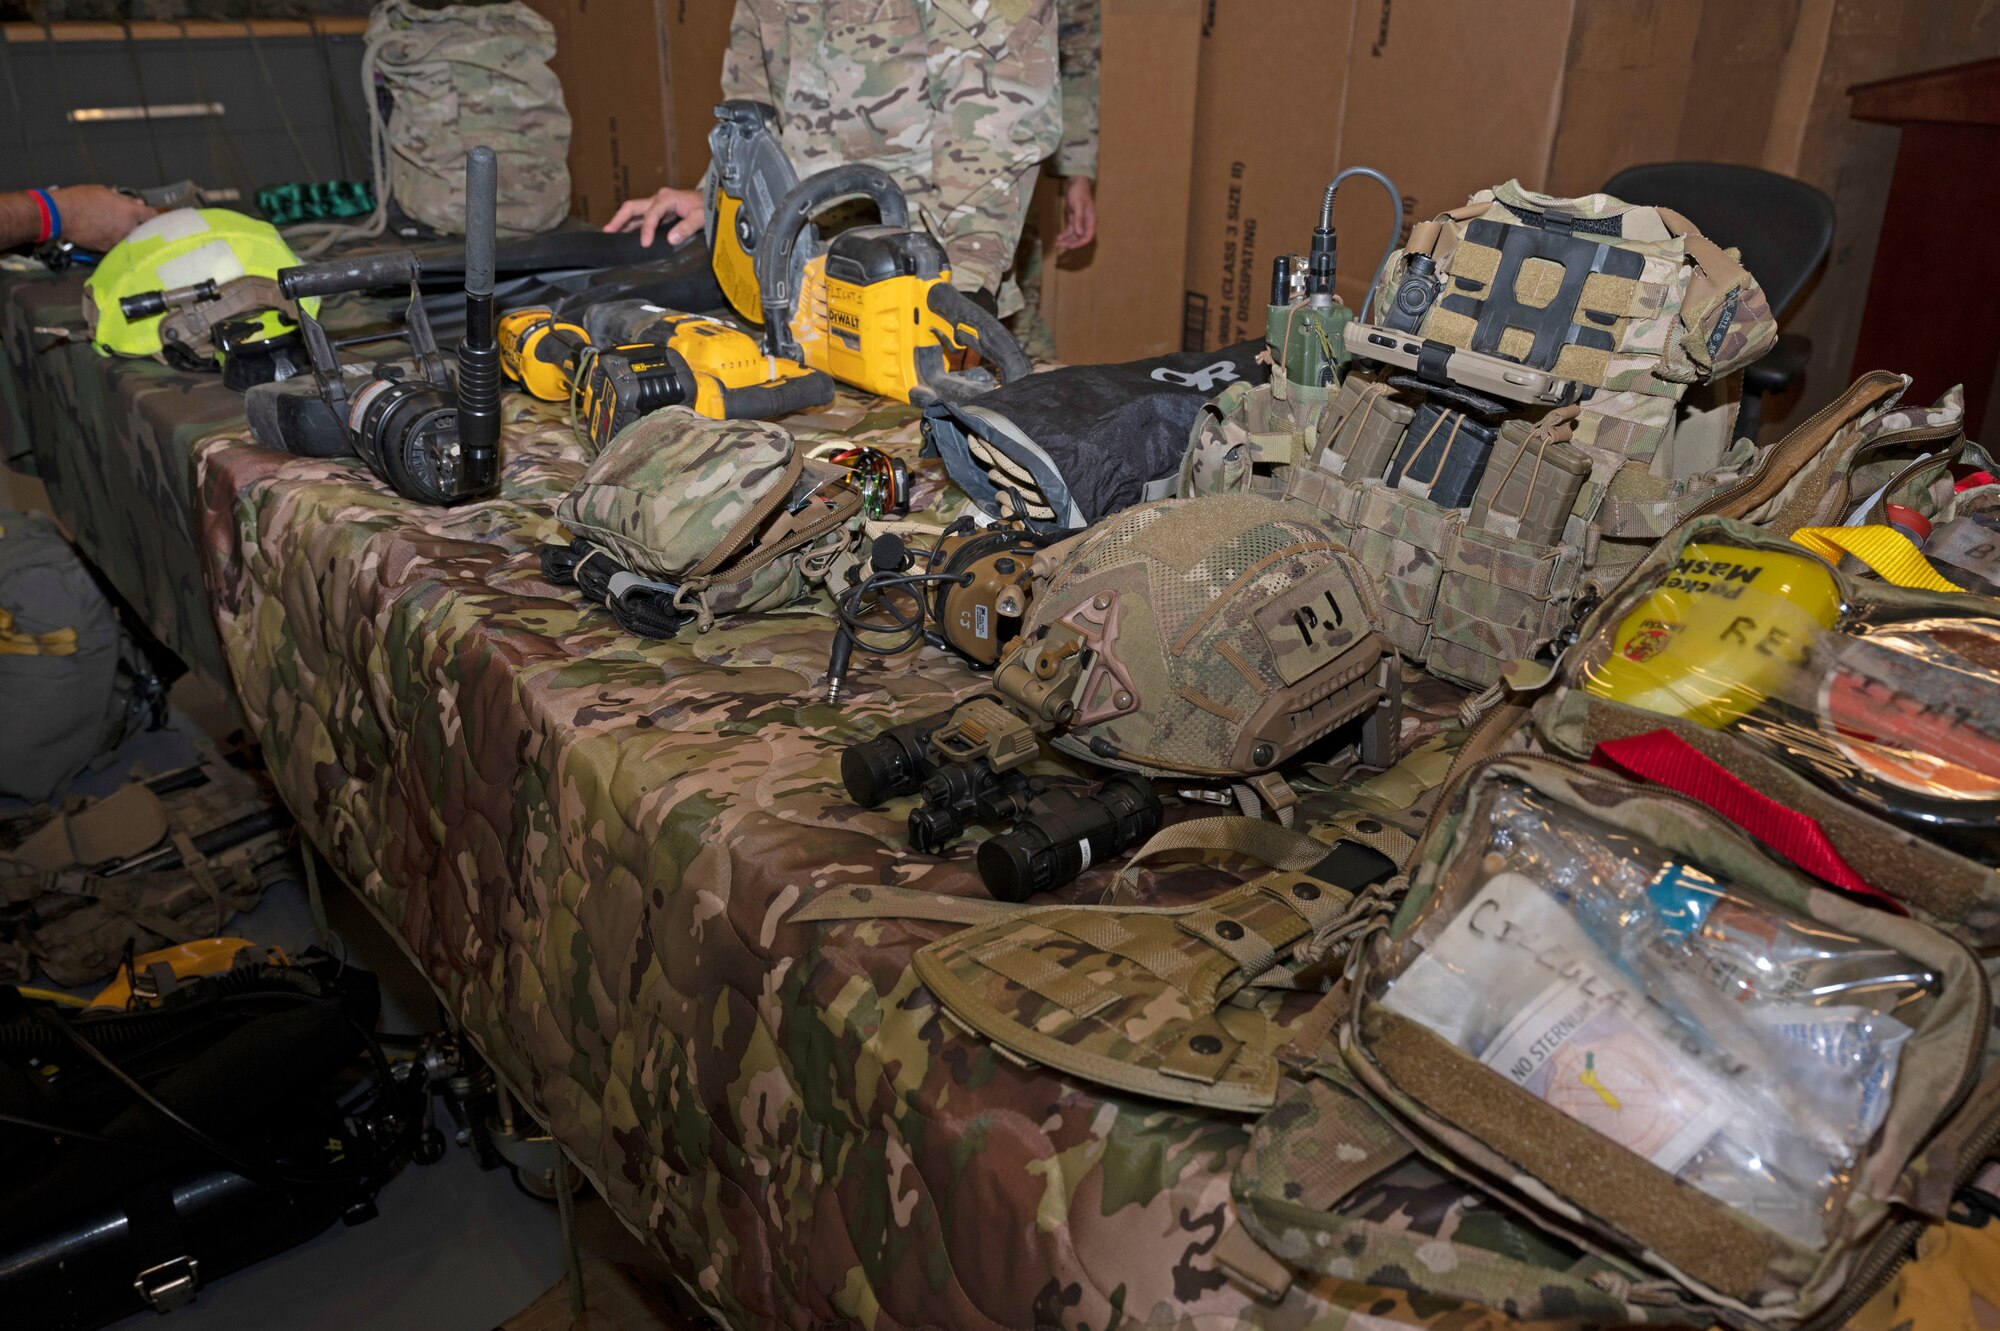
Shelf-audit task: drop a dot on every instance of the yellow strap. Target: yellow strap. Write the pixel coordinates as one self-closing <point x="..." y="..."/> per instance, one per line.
<point x="1893" y="556"/>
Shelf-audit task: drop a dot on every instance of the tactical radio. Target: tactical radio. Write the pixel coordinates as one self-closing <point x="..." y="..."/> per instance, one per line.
<point x="1304" y="323"/>
<point x="431" y="443"/>
<point x="875" y="307"/>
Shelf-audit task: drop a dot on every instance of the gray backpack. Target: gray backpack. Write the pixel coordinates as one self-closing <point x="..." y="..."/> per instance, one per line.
<point x="76" y="684"/>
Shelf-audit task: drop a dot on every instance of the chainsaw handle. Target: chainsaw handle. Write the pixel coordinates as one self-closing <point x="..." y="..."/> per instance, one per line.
<point x="781" y="237"/>
<point x="989" y="336"/>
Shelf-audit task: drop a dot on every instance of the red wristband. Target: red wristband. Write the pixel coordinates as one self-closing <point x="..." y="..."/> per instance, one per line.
<point x="47" y="208"/>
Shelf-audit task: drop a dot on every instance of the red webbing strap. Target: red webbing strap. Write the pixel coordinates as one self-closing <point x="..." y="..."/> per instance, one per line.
<point x="1664" y="758"/>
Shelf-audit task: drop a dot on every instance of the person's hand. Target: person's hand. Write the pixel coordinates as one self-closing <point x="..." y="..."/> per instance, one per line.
<point x="96" y="217"/>
<point x="645" y="215"/>
<point x="1079" y="197"/>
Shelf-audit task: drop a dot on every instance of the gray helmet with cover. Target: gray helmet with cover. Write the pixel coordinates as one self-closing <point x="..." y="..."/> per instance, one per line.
<point x="1213" y="638"/>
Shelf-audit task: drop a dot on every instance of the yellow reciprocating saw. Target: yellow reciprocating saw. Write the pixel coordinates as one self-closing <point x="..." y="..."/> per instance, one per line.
<point x="874" y="307"/>
<point x="736" y="379"/>
<point x="636" y="358"/>
<point x="607" y="387"/>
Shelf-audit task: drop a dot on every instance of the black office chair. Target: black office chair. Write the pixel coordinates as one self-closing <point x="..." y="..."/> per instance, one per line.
<point x="1782" y="227"/>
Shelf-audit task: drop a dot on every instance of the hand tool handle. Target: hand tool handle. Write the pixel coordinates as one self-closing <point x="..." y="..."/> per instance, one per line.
<point x="335" y="277"/>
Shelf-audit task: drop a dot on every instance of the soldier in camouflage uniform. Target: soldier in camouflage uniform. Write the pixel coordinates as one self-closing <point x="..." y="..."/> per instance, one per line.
<point x="1079" y="44"/>
<point x="956" y="99"/>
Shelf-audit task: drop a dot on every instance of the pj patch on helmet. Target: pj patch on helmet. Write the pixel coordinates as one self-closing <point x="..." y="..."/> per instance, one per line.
<point x="1213" y="639"/>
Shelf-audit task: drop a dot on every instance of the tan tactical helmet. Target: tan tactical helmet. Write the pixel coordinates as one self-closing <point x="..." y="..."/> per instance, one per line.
<point x="1213" y="638"/>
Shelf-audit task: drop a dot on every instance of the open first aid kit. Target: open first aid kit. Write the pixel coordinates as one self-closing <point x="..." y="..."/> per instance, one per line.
<point x="1611" y="1011"/>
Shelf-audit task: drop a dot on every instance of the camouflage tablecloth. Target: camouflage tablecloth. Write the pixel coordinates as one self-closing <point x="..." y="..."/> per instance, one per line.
<point x="113" y="439"/>
<point x="591" y="844"/>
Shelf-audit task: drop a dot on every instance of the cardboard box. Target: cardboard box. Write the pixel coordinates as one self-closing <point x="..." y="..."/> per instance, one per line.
<point x="1736" y="88"/>
<point x="1118" y="299"/>
<point x="696" y="33"/>
<point x="641" y="79"/>
<point x="1267" y="137"/>
<point x="1447" y="97"/>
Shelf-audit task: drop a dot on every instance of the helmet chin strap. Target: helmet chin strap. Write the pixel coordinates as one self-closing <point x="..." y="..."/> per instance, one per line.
<point x="1251" y="805"/>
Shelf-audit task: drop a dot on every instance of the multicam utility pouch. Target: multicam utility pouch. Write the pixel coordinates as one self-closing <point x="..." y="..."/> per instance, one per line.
<point x="1592" y="319"/>
<point x="1603" y="1006"/>
<point x="716" y="517"/>
<point x="1328" y="1185"/>
<point x="1906" y="471"/>
<point x="1843" y="460"/>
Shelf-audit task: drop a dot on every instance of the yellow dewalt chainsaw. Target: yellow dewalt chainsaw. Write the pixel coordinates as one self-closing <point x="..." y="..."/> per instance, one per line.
<point x="874" y="307"/>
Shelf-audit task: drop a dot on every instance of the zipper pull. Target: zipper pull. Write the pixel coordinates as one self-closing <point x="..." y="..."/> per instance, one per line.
<point x="1580" y="610"/>
<point x="1977" y="1201"/>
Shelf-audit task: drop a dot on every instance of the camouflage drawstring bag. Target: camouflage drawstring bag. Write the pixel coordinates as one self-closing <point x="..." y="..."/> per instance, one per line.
<point x="461" y="76"/>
